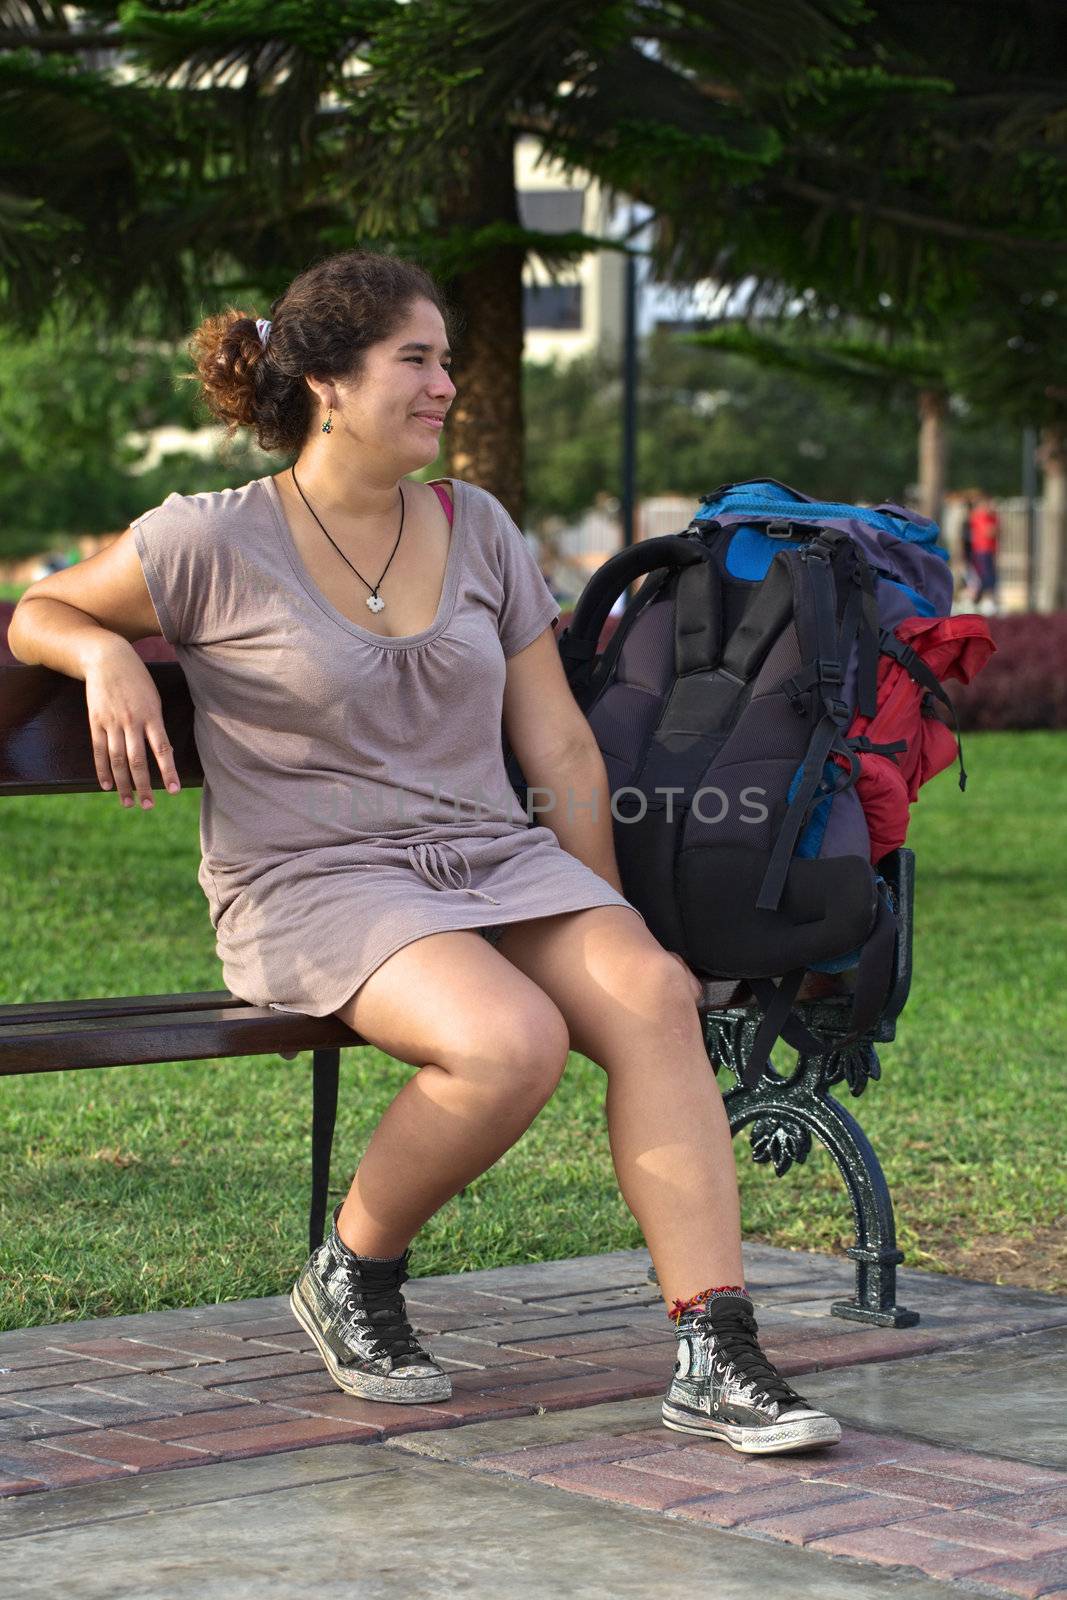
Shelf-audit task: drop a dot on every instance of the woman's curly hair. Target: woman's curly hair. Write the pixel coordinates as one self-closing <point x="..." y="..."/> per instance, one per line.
<point x="320" y="326"/>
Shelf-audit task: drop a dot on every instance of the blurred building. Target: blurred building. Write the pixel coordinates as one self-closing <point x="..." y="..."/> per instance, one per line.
<point x="579" y="308"/>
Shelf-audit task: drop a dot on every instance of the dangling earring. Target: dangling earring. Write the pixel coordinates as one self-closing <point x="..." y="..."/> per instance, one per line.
<point x="327" y="426"/>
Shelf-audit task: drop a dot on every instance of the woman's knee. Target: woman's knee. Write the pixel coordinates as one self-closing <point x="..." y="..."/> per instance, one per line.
<point x="656" y="990"/>
<point x="514" y="1049"/>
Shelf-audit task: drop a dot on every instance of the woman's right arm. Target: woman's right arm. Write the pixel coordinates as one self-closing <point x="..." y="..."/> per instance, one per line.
<point x="81" y="621"/>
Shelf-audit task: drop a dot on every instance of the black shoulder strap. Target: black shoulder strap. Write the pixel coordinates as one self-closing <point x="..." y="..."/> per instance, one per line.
<point x="873" y="977"/>
<point x="827" y="675"/>
<point x="578" y="643"/>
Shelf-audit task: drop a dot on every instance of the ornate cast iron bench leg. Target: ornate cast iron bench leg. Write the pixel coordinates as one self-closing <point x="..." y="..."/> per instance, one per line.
<point x="784" y="1112"/>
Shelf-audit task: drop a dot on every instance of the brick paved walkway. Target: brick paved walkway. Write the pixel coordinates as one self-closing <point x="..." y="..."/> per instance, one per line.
<point x="183" y="1389"/>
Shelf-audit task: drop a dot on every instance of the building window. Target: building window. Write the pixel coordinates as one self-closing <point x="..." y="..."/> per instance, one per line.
<point x="551" y="210"/>
<point x="552" y="305"/>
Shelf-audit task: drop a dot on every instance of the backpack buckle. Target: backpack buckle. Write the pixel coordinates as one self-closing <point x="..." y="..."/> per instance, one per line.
<point x="795" y="693"/>
<point x="829" y="671"/>
<point x="779" y="529"/>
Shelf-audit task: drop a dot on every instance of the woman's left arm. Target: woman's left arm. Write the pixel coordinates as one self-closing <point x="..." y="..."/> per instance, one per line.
<point x="574" y="800"/>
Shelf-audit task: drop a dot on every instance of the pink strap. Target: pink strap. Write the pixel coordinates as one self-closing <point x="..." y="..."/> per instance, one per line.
<point x="445" y="499"/>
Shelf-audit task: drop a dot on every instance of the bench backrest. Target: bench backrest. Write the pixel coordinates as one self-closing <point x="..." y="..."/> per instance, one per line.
<point x="45" y="745"/>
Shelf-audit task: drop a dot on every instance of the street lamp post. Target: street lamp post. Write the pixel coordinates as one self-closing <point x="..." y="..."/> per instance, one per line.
<point x="629" y="399"/>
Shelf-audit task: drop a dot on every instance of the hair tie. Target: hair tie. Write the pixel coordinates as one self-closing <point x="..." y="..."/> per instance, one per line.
<point x="263" y="327"/>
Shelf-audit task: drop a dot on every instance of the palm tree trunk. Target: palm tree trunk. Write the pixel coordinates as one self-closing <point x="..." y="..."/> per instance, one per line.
<point x="485" y="426"/>
<point x="1052" y="552"/>
<point x="933" y="451"/>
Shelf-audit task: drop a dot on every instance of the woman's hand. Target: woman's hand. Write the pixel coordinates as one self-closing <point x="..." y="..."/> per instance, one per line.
<point x="124" y="709"/>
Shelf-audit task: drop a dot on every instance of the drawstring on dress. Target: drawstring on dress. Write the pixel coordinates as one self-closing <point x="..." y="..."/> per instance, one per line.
<point x="433" y="866"/>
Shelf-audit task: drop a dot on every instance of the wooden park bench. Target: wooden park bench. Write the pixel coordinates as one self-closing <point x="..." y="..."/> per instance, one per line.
<point x="45" y="748"/>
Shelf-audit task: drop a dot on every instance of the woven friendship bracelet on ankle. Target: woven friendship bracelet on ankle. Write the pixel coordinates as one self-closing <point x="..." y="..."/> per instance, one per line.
<point x="680" y="1307"/>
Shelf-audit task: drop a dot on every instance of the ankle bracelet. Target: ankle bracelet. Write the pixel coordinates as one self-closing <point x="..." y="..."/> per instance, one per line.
<point x="680" y="1307"/>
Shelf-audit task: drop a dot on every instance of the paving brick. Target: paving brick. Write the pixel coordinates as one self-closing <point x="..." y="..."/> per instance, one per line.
<point x="595" y="1341"/>
<point x="254" y="1327"/>
<point x="11" y="1486"/>
<point x="238" y="1416"/>
<point x="468" y="1353"/>
<point x="430" y="1323"/>
<point x="279" y="1341"/>
<point x="890" y="1547"/>
<point x="299" y="1433"/>
<point x="224" y="1346"/>
<point x="472" y="1380"/>
<point x="474" y="1314"/>
<point x="467" y="1302"/>
<point x="85" y="1406"/>
<point x="583" y="1300"/>
<point x="591" y="1388"/>
<point x="543" y="1280"/>
<point x="376" y="1416"/>
<point x="52" y="1468"/>
<point x="33" y="1424"/>
<point x="731" y="1510"/>
<point x="602" y="1480"/>
<point x="855" y="1449"/>
<point x="497" y="1406"/>
<point x="966" y="1465"/>
<point x="934" y="1488"/>
<point x="782" y="1327"/>
<point x="1001" y="1535"/>
<point x="657" y="1361"/>
<point x="712" y="1465"/>
<point x="268" y="1389"/>
<point x="159" y="1394"/>
<point x="132" y="1354"/>
<point x="127" y="1450"/>
<point x="663" y="1438"/>
<point x="29" y="1360"/>
<point x="1036" y="1508"/>
<point x="542" y="1327"/>
<point x="821" y="1521"/>
<point x="824" y="1354"/>
<point x="279" y="1364"/>
<point x="57" y="1376"/>
<point x="528" y="1462"/>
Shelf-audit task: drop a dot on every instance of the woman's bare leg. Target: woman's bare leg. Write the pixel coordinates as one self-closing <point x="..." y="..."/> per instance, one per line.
<point x="629" y="1007"/>
<point x="492" y="1048"/>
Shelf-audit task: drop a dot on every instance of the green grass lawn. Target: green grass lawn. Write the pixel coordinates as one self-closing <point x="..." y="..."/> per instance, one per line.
<point x="145" y="1187"/>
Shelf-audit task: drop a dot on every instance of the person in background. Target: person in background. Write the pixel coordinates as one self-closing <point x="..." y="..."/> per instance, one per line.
<point x="965" y="579"/>
<point x="984" y="528"/>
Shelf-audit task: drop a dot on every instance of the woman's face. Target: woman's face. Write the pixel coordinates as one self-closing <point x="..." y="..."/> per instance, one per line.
<point x="394" y="411"/>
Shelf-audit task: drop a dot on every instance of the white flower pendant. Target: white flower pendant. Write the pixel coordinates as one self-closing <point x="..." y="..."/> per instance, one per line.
<point x="374" y="603"/>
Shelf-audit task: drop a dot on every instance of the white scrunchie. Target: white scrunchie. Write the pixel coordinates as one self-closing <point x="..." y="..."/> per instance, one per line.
<point x="263" y="328"/>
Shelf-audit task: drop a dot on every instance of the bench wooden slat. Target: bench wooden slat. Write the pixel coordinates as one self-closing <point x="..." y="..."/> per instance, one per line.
<point x="46" y="746"/>
<point x="59" y="1044"/>
<point x="119" y="1006"/>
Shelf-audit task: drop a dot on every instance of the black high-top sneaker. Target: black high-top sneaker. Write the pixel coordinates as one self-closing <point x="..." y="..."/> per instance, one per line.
<point x="724" y="1386"/>
<point x="355" y="1313"/>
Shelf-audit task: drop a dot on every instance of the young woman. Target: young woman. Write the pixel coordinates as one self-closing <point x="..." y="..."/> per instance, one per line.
<point x="354" y="641"/>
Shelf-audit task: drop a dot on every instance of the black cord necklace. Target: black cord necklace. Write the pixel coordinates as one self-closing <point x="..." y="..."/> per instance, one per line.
<point x="374" y="601"/>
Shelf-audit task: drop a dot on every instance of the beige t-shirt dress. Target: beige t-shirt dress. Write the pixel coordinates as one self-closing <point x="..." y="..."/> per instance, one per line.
<point x="355" y="796"/>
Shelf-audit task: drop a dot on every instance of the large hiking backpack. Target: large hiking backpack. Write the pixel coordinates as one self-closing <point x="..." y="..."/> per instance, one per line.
<point x="747" y="706"/>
